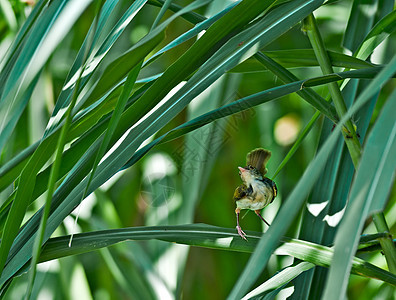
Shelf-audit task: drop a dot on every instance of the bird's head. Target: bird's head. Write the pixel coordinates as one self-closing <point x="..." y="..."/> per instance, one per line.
<point x="249" y="174"/>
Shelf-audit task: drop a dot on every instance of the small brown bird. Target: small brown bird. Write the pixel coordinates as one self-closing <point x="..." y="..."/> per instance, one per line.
<point x="257" y="191"/>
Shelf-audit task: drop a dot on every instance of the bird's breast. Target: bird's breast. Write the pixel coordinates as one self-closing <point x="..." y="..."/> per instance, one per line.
<point x="261" y="196"/>
<point x="246" y="203"/>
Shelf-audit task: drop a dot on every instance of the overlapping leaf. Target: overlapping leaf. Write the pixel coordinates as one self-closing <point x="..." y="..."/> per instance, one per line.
<point x="203" y="235"/>
<point x="366" y="187"/>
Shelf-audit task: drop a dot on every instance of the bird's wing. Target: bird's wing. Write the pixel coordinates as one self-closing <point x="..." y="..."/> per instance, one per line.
<point x="242" y="191"/>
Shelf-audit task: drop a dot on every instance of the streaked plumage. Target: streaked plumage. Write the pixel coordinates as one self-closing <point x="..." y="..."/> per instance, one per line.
<point x="257" y="191"/>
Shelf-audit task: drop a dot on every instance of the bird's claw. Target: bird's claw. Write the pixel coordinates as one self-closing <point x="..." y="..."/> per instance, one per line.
<point x="241" y="233"/>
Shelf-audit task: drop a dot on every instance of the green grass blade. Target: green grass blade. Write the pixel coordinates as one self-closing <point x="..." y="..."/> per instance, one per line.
<point x="50" y="29"/>
<point x="279" y="280"/>
<point x="207" y="236"/>
<point x="344" y="178"/>
<point x="11" y="169"/>
<point x="9" y="15"/>
<point x="21" y="201"/>
<point x="301" y="58"/>
<point x="359" y="22"/>
<point x="28" y="177"/>
<point x="130" y="82"/>
<point x="191" y="17"/>
<point x="362" y="193"/>
<point x="50" y="191"/>
<point x="375" y="37"/>
<point x="55" y="169"/>
<point x="15" y="111"/>
<point x="380" y="32"/>
<point x="296" y="199"/>
<point x="14" y="50"/>
<point x="315" y="38"/>
<point x="95" y="58"/>
<point x="243" y="104"/>
<point x="202" y="25"/>
<point x="372" y="247"/>
<point x="308" y="94"/>
<point x="7" y="62"/>
<point x="284" y="218"/>
<point x="331" y="191"/>
<point x="380" y="223"/>
<point x="341" y="193"/>
<point x="164" y="8"/>
<point x="120" y="67"/>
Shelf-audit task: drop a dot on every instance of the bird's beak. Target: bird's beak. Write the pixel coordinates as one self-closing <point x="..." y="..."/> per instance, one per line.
<point x="241" y="169"/>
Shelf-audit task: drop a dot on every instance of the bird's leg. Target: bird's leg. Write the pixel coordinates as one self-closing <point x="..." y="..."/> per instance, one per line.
<point x="258" y="213"/>
<point x="239" y="229"/>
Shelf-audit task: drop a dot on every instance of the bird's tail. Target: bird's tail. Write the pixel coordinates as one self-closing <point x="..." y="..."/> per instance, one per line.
<point x="258" y="158"/>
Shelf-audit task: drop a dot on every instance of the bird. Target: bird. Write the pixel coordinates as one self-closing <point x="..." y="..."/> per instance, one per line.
<point x="257" y="190"/>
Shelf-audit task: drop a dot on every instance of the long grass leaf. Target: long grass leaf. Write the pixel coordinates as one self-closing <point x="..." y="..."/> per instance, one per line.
<point x="120" y="67"/>
<point x="49" y="31"/>
<point x="28" y="177"/>
<point x="307" y="94"/>
<point x="95" y="57"/>
<point x="21" y="201"/>
<point x="315" y="38"/>
<point x="378" y="33"/>
<point x="359" y="22"/>
<point x="296" y="199"/>
<point x="9" y="59"/>
<point x="203" y="235"/>
<point x="283" y="219"/>
<point x="362" y="194"/>
<point x="323" y="233"/>
<point x="55" y="169"/>
<point x="202" y="25"/>
<point x="279" y="280"/>
<point x="241" y="105"/>
<point x="298" y="58"/>
<point x="130" y="82"/>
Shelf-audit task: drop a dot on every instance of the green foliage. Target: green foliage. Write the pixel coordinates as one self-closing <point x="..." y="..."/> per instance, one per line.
<point x="148" y="135"/>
